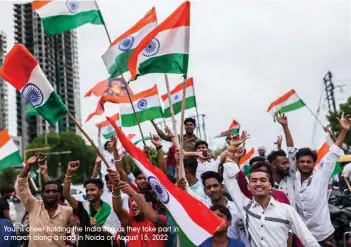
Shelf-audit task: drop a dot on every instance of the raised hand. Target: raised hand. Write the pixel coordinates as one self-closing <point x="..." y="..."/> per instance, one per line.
<point x="155" y="139"/>
<point x="281" y="118"/>
<point x="43" y="167"/>
<point x="146" y="150"/>
<point x="278" y="142"/>
<point x="72" y="166"/>
<point x="345" y="122"/>
<point x="177" y="156"/>
<point x="182" y="184"/>
<point x="169" y="132"/>
<point x="114" y="176"/>
<point x="98" y="161"/>
<point x="228" y="138"/>
<point x="38" y="158"/>
<point x="126" y="188"/>
<point x="113" y="140"/>
<point x="237" y="140"/>
<point x="239" y="152"/>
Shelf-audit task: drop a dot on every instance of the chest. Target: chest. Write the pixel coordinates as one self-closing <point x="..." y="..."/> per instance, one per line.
<point x="41" y="220"/>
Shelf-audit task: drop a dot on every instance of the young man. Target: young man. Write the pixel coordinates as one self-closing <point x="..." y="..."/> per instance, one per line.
<point x="262" y="152"/>
<point x="205" y="161"/>
<point x="220" y="238"/>
<point x="142" y="218"/>
<point x="267" y="221"/>
<point x="98" y="215"/>
<point x="46" y="213"/>
<point x="190" y="167"/>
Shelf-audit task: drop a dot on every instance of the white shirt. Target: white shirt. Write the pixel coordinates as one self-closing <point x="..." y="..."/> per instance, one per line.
<point x="311" y="196"/>
<point x="267" y="227"/>
<point x="12" y="212"/>
<point x="209" y="165"/>
<point x="198" y="188"/>
<point x="347" y="171"/>
<point x="110" y="159"/>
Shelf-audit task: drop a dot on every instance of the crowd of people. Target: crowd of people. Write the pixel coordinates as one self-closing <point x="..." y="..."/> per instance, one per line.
<point x="281" y="202"/>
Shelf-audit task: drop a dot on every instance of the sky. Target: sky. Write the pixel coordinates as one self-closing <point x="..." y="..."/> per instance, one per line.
<point x="243" y="55"/>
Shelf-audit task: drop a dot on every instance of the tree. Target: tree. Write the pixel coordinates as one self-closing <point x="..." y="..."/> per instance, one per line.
<point x="8" y="177"/>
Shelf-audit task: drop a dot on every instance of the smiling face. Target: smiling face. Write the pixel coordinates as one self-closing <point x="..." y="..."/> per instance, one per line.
<point x="281" y="165"/>
<point x="50" y="194"/>
<point x="93" y="192"/>
<point x="141" y="182"/>
<point x="135" y="208"/>
<point x="189" y="128"/>
<point x="259" y="184"/>
<point x="305" y="164"/>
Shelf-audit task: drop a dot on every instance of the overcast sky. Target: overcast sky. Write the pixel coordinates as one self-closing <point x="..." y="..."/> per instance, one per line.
<point x="243" y="55"/>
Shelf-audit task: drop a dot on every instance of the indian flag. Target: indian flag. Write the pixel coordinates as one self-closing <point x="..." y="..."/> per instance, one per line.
<point x="22" y="70"/>
<point x="176" y="97"/>
<point x="244" y="162"/>
<point x="9" y="155"/>
<point x="288" y="102"/>
<point x="117" y="55"/>
<point x="147" y="106"/>
<point x="166" y="48"/>
<point x="106" y="128"/>
<point x="233" y="129"/>
<point x="321" y="153"/>
<point x="194" y="220"/>
<point x="60" y="16"/>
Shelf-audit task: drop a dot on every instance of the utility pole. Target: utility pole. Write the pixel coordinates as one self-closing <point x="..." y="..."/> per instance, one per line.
<point x="329" y="92"/>
<point x="198" y="126"/>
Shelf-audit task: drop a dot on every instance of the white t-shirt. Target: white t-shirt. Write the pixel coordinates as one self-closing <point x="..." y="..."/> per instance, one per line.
<point x="347" y="171"/>
<point x="210" y="165"/>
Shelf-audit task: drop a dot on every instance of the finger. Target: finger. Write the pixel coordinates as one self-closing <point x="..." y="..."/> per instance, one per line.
<point x="244" y="144"/>
<point x="342" y="115"/>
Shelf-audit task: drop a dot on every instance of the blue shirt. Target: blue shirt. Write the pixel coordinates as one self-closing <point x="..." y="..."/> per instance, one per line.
<point x="6" y="232"/>
<point x="232" y="243"/>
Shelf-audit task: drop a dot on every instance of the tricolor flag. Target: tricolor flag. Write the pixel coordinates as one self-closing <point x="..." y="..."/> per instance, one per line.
<point x="22" y="70"/>
<point x="286" y="103"/>
<point x="121" y="49"/>
<point x="166" y="48"/>
<point x="31" y="111"/>
<point x="112" y="87"/>
<point x="106" y="128"/>
<point x="176" y="97"/>
<point x="244" y="162"/>
<point x="321" y="153"/>
<point x="233" y="129"/>
<point x="147" y="106"/>
<point x="61" y="16"/>
<point x="193" y="219"/>
<point x="9" y="155"/>
<point x="146" y="138"/>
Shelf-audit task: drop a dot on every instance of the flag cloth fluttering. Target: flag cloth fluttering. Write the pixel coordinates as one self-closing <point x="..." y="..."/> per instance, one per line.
<point x="176" y="97"/>
<point x="147" y="106"/>
<point x="23" y="72"/>
<point x="106" y="128"/>
<point x="166" y="48"/>
<point x="31" y="111"/>
<point x="112" y="87"/>
<point x="9" y="154"/>
<point x="322" y="151"/>
<point x="194" y="220"/>
<point x="117" y="55"/>
<point x="244" y="162"/>
<point x="233" y="129"/>
<point x="286" y="103"/>
<point x="61" y="16"/>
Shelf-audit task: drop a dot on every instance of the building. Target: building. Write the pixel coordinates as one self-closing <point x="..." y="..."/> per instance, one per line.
<point x="3" y="87"/>
<point x="58" y="58"/>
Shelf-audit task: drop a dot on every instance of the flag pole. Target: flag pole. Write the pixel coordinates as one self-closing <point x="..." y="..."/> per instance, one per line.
<point x="313" y="114"/>
<point x="89" y="139"/>
<point x="197" y="114"/>
<point x="182" y="172"/>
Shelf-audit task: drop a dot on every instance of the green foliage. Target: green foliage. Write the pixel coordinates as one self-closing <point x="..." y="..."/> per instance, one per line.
<point x="218" y="151"/>
<point x="8" y="177"/>
<point x="57" y="163"/>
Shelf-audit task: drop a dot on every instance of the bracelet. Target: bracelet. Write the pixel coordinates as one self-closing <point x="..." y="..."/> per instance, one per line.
<point x="67" y="176"/>
<point x="159" y="147"/>
<point x="68" y="180"/>
<point x="118" y="160"/>
<point x="116" y="196"/>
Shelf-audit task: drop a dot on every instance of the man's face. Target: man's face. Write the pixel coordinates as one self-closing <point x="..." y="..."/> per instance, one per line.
<point x="189" y="128"/>
<point x="261" y="152"/>
<point x="259" y="184"/>
<point x="50" y="194"/>
<point x="136" y="208"/>
<point x="93" y="192"/>
<point x="201" y="148"/>
<point x="224" y="217"/>
<point x="305" y="164"/>
<point x="141" y="181"/>
<point x="109" y="147"/>
<point x="213" y="189"/>
<point x="281" y="165"/>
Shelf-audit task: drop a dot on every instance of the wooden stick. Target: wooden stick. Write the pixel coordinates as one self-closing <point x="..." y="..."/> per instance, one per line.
<point x="182" y="171"/>
<point x="89" y="139"/>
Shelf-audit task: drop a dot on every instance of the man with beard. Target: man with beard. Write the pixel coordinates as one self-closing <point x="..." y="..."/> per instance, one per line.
<point x="220" y="238"/>
<point x="92" y="220"/>
<point x="49" y="221"/>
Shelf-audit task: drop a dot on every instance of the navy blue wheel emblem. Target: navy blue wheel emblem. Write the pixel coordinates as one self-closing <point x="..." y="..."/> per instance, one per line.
<point x="126" y="44"/>
<point x="176" y="97"/>
<point x="152" y="48"/>
<point x="72" y="5"/>
<point x="159" y="190"/>
<point x="33" y="94"/>
<point x="142" y="104"/>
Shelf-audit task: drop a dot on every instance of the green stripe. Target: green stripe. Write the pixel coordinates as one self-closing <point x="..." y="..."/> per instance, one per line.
<point x="128" y="120"/>
<point x="31" y="111"/>
<point x="11" y="160"/>
<point x="108" y="135"/>
<point x="122" y="61"/>
<point x="171" y="63"/>
<point x="233" y="131"/>
<point x="62" y="23"/>
<point x="292" y="107"/>
<point x="190" y="102"/>
<point x="53" y="109"/>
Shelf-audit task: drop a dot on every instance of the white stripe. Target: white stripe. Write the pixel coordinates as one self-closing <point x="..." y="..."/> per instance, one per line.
<point x="59" y="7"/>
<point x="109" y="57"/>
<point x="151" y="101"/>
<point x="177" y="97"/>
<point x="171" y="41"/>
<point x="292" y="99"/>
<point x="8" y="149"/>
<point x="39" y="79"/>
<point x="107" y="129"/>
<point x="194" y="232"/>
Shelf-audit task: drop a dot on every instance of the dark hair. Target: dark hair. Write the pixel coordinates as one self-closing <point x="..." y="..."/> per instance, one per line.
<point x="136" y="172"/>
<point x="105" y="145"/>
<point x="149" y="197"/>
<point x="198" y="143"/>
<point x="189" y="119"/>
<point x="262" y="166"/>
<point x="6" y="189"/>
<point x="223" y="210"/>
<point x="211" y="174"/>
<point x="48" y="183"/>
<point x="107" y="178"/>
<point x="97" y="181"/>
<point x="256" y="159"/>
<point x="191" y="164"/>
<point x="274" y="154"/>
<point x="306" y="152"/>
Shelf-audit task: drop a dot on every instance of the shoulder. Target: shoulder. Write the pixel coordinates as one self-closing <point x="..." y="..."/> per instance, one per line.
<point x="280" y="196"/>
<point x="5" y="222"/>
<point x="207" y="243"/>
<point x="235" y="243"/>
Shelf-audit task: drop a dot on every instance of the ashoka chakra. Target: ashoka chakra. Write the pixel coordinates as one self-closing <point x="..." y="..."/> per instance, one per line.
<point x="33" y="94"/>
<point x="72" y="5"/>
<point x="160" y="191"/>
<point x="126" y="44"/>
<point x="152" y="48"/>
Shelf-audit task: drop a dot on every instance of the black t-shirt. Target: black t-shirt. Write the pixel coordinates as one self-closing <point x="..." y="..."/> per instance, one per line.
<point x="4" y="205"/>
<point x="88" y="237"/>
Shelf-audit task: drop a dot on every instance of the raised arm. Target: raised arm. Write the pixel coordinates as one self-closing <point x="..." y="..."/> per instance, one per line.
<point x="163" y="135"/>
<point x="283" y="120"/>
<point x="44" y="171"/>
<point x="96" y="167"/>
<point x="118" y="160"/>
<point x="160" y="155"/>
<point x="71" y="168"/>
